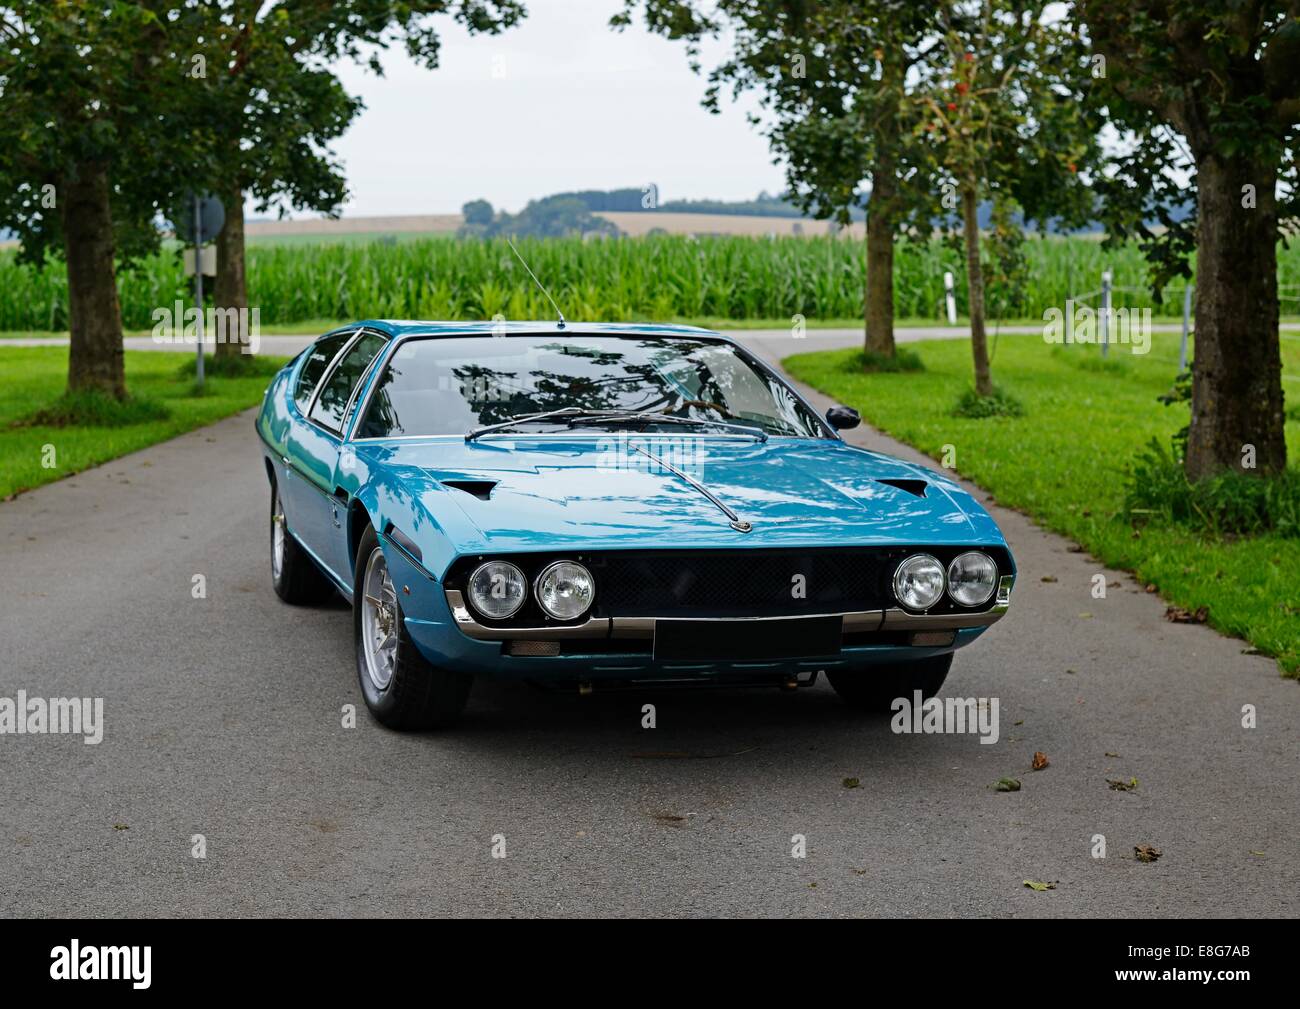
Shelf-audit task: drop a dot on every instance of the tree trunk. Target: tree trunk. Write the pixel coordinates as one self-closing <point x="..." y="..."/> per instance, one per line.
<point x="975" y="288"/>
<point x="95" y="360"/>
<point x="1237" y="417"/>
<point x="880" y="261"/>
<point x="231" y="288"/>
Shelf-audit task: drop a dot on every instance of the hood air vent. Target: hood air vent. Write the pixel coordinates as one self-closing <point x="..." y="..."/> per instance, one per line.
<point x="481" y="489"/>
<point x="913" y="487"/>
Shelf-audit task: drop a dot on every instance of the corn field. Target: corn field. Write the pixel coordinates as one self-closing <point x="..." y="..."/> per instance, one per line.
<point x="651" y="278"/>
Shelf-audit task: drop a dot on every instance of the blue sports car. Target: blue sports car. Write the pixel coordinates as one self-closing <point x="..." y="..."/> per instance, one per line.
<point x="600" y="504"/>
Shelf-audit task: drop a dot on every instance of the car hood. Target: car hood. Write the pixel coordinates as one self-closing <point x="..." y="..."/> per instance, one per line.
<point x="520" y="494"/>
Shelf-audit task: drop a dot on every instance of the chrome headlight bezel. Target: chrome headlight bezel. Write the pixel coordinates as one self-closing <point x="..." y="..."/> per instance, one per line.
<point x="507" y="568"/>
<point x="986" y="588"/>
<point x="539" y="589"/>
<point x="905" y="569"/>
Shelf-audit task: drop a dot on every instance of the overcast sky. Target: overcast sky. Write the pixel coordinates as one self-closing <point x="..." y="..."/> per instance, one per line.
<point x="561" y="102"/>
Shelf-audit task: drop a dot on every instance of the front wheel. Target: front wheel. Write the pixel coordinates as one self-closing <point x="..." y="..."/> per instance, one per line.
<point x="874" y="688"/>
<point x="402" y="689"/>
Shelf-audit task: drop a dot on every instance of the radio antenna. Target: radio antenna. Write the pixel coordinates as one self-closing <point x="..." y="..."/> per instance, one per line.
<point x="537" y="282"/>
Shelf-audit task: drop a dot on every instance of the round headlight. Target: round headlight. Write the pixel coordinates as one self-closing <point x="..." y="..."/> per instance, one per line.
<point x="972" y="577"/>
<point x="918" y="582"/>
<point x="497" y="589"/>
<point x="565" y="590"/>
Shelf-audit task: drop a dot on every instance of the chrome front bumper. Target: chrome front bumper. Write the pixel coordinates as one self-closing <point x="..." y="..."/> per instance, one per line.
<point x="892" y="619"/>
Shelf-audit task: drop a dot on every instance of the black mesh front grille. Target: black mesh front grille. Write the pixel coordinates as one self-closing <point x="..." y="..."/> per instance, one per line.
<point x="743" y="582"/>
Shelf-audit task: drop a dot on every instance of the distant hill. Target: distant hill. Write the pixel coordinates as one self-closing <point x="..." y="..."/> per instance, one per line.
<point x="636" y="200"/>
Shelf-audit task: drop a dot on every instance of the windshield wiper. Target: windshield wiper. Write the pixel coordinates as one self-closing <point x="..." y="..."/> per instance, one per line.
<point x="572" y="415"/>
<point x="653" y="417"/>
<point x="524" y="418"/>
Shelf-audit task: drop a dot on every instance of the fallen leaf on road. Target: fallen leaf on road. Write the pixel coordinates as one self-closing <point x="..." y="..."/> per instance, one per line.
<point x="1040" y="760"/>
<point x="850" y="783"/>
<point x="1146" y="853"/>
<point x="1120" y="785"/>
<point x="1109" y="754"/>
<point x="1007" y="785"/>
<point x="1021" y="722"/>
<point x="1085" y="616"/>
<point x="1151" y="588"/>
<point x="1257" y="853"/>
<point x="1178" y="615"/>
<point x="120" y="826"/>
<point x="1033" y="884"/>
<point x="1049" y="578"/>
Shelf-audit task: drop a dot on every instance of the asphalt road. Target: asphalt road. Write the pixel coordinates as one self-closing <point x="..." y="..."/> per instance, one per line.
<point x="223" y="718"/>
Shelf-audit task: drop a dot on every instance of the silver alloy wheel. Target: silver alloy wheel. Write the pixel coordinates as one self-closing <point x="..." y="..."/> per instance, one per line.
<point x="277" y="537"/>
<point x="379" y="621"/>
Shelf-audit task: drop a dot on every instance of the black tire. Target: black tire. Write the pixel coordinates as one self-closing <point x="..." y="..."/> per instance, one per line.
<point x="419" y="695"/>
<point x="874" y="688"/>
<point x="299" y="581"/>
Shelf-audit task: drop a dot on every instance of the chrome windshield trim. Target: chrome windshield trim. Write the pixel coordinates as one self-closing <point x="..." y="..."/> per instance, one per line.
<point x="329" y="371"/>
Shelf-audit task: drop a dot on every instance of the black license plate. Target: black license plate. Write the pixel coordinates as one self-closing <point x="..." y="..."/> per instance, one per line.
<point x="748" y="640"/>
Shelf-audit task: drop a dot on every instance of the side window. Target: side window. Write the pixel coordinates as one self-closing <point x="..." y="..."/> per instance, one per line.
<point x="337" y="390"/>
<point x="318" y="359"/>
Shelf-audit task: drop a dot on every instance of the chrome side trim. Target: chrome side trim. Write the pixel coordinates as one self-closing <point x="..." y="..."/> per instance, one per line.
<point x="644" y="627"/>
<point x="901" y="620"/>
<point x="591" y="628"/>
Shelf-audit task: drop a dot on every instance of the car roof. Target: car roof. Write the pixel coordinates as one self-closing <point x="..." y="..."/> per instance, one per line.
<point x="400" y="328"/>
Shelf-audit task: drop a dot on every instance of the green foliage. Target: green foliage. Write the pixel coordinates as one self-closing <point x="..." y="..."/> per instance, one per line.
<point x="230" y="366"/>
<point x="1068" y="463"/>
<point x="477" y="213"/>
<point x="1088" y="358"/>
<point x="902" y="360"/>
<point x="654" y="278"/>
<point x="551" y="217"/>
<point x="972" y="406"/>
<point x="832" y="78"/>
<point x="89" y="89"/>
<point x="1190" y="80"/>
<point x="1006" y="276"/>
<point x="95" y="409"/>
<point x="88" y="431"/>
<point x="1229" y="504"/>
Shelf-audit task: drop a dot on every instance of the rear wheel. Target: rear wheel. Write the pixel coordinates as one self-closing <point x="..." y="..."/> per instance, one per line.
<point x="874" y="688"/>
<point x="402" y="688"/>
<point x="294" y="574"/>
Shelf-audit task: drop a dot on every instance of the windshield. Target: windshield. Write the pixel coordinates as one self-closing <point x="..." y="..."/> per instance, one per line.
<point x="453" y="385"/>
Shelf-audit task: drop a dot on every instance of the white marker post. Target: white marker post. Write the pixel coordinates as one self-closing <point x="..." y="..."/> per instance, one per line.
<point x="950" y="297"/>
<point x="1105" y="312"/>
<point x="198" y="285"/>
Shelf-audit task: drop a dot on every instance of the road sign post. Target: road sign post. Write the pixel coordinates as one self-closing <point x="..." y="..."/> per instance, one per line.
<point x="200" y="221"/>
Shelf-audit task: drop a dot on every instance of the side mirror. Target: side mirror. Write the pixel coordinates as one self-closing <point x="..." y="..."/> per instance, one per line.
<point x="843" y="417"/>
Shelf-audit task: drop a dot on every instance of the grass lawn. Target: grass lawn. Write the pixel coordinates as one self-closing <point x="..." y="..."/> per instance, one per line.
<point x="1065" y="462"/>
<point x="34" y="377"/>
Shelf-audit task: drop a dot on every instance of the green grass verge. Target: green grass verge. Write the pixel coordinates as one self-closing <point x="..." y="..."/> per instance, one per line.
<point x="38" y="425"/>
<point x="1066" y="460"/>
